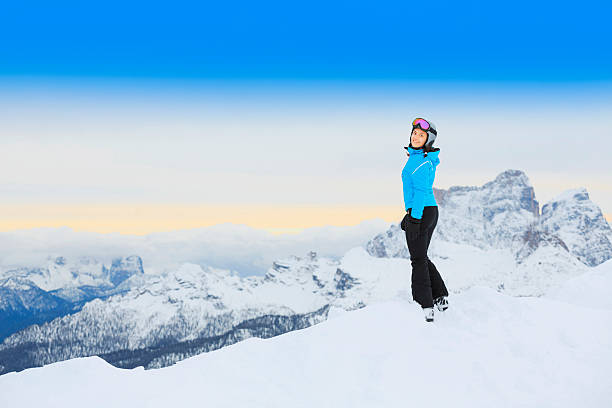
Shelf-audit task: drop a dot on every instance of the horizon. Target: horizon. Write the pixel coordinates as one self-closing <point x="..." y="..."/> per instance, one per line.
<point x="110" y="218"/>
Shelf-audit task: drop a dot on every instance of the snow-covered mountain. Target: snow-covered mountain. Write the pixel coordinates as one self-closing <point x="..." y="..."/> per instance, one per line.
<point x="494" y="215"/>
<point x="185" y="312"/>
<point x="495" y="235"/>
<point x="37" y="295"/>
<point x="65" y="276"/>
<point x="579" y="223"/>
<point x="492" y="236"/>
<point x="503" y="214"/>
<point x="487" y="349"/>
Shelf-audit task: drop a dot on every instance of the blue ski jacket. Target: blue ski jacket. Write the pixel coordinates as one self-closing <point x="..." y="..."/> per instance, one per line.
<point x="417" y="178"/>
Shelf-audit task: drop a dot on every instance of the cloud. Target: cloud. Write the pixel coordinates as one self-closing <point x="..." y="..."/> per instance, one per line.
<point x="237" y="247"/>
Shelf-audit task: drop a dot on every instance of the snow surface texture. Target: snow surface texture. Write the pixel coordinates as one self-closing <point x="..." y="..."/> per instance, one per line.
<point x="487" y="348"/>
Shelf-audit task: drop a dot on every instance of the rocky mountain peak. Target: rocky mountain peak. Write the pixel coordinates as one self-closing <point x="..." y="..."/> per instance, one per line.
<point x="580" y="224"/>
<point x="504" y="214"/>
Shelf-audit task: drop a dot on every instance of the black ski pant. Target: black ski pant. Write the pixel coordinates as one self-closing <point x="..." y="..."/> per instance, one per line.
<point x="427" y="284"/>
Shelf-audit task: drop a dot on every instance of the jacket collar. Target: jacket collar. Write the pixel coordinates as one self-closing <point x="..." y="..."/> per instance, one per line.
<point x="433" y="153"/>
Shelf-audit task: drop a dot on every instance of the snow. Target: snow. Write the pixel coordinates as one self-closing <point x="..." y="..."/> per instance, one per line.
<point x="569" y="194"/>
<point x="590" y="289"/>
<point x="487" y="348"/>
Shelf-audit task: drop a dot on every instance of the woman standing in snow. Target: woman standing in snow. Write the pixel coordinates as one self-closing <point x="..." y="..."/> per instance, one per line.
<point x="428" y="288"/>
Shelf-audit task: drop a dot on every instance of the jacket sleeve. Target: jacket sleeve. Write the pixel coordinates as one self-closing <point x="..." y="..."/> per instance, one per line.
<point x="421" y="180"/>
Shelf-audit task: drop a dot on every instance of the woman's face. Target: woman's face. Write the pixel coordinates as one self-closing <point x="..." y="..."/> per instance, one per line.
<point x="418" y="137"/>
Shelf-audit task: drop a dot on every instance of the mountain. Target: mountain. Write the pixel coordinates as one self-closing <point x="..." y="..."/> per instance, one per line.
<point x="503" y="213"/>
<point x="22" y="304"/>
<point x="495" y="235"/>
<point x="492" y="236"/>
<point x="576" y="220"/>
<point x="490" y="216"/>
<point x="487" y="348"/>
<point x="183" y="313"/>
<point x="38" y="295"/>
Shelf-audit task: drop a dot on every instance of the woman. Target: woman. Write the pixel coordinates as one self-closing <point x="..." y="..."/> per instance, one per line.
<point x="428" y="288"/>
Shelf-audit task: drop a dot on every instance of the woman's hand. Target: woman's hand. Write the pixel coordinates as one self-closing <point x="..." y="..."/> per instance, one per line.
<point x="413" y="227"/>
<point x="403" y="223"/>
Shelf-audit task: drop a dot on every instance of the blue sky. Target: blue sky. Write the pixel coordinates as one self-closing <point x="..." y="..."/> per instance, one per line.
<point x="443" y="40"/>
<point x="137" y="117"/>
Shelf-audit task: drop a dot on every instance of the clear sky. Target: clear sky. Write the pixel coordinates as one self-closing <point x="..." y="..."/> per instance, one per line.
<point x="154" y="116"/>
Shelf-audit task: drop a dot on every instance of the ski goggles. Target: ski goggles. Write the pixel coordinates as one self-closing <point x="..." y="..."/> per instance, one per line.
<point x="423" y="124"/>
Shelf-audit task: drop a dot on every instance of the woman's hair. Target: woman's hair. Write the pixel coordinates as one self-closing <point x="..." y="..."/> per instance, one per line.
<point x="428" y="148"/>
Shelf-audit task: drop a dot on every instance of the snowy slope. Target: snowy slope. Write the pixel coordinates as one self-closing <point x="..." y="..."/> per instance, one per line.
<point x="590" y="289"/>
<point x="487" y="348"/>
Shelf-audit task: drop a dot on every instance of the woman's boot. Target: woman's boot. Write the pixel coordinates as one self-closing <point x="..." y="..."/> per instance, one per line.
<point x="429" y="314"/>
<point x="441" y="303"/>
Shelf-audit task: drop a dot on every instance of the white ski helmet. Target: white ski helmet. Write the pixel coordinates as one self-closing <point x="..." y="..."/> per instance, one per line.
<point x="428" y="127"/>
